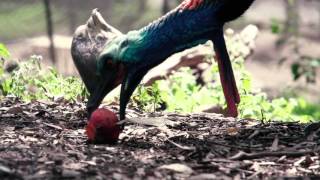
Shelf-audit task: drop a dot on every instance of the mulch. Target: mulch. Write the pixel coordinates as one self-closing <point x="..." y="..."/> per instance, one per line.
<point x="46" y="140"/>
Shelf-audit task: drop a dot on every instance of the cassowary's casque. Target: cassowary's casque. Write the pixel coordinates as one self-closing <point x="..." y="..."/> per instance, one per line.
<point x="126" y="58"/>
<point x="87" y="44"/>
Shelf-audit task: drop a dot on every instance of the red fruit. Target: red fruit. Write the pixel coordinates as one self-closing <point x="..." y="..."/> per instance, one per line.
<point x="102" y="127"/>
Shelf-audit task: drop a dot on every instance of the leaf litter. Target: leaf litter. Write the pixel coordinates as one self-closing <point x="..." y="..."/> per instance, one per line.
<point x="46" y="140"/>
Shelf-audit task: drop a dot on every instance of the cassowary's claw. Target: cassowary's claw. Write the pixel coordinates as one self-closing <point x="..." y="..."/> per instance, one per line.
<point x="231" y="112"/>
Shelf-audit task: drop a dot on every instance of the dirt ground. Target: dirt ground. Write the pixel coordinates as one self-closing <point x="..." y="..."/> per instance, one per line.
<point x="46" y="140"/>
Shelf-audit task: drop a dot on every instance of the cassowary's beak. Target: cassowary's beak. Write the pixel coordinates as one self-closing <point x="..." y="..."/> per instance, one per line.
<point x="110" y="77"/>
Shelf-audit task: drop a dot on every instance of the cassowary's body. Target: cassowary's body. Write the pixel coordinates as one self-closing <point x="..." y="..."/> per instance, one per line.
<point x="129" y="57"/>
<point x="174" y="32"/>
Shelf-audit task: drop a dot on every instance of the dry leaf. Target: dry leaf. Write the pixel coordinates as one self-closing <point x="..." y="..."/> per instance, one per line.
<point x="232" y="131"/>
<point x="180" y="168"/>
<point x="203" y="177"/>
<point x="15" y="110"/>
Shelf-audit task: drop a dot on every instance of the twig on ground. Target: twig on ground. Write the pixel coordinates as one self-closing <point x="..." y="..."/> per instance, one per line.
<point x="245" y="156"/>
<point x="186" y="148"/>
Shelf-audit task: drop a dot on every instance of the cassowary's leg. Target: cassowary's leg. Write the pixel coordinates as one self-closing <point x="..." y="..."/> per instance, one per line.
<point x="130" y="83"/>
<point x="226" y="74"/>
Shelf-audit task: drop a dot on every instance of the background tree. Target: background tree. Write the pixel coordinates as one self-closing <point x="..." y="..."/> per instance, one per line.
<point x="48" y="15"/>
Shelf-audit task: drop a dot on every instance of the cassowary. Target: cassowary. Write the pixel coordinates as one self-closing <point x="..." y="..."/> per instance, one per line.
<point x="126" y="58"/>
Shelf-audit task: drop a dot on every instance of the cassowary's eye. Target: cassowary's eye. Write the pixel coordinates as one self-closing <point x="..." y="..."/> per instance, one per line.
<point x="89" y="25"/>
<point x="124" y="43"/>
<point x="81" y="36"/>
<point x="109" y="64"/>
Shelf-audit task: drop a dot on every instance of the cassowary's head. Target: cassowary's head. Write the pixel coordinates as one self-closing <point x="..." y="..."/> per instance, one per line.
<point x="87" y="44"/>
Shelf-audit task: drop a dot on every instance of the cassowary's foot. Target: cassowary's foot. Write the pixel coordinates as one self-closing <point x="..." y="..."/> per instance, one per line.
<point x="231" y="113"/>
<point x="231" y="110"/>
<point x="191" y="4"/>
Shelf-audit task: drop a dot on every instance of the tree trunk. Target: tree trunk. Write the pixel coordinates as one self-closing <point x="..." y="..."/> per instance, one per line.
<point x="142" y="6"/>
<point x="165" y="6"/>
<point x="291" y="27"/>
<point x="48" y="14"/>
<point x="72" y="15"/>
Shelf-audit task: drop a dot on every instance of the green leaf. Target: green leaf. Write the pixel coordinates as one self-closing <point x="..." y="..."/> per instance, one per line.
<point x="275" y="26"/>
<point x="296" y="71"/>
<point x="315" y="63"/>
<point x="4" y="51"/>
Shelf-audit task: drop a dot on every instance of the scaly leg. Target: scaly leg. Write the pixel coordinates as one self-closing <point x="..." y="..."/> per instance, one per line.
<point x="226" y="74"/>
<point x="130" y="83"/>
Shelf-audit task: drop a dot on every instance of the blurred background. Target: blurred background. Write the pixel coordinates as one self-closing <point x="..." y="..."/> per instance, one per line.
<point x="284" y="62"/>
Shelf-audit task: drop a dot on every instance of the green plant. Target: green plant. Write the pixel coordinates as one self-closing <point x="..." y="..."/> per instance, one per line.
<point x="275" y="26"/>
<point x="306" y="67"/>
<point x="303" y="65"/>
<point x="4" y="51"/>
<point x="305" y="109"/>
<point x="147" y="97"/>
<point x="180" y="92"/>
<point x="32" y="81"/>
